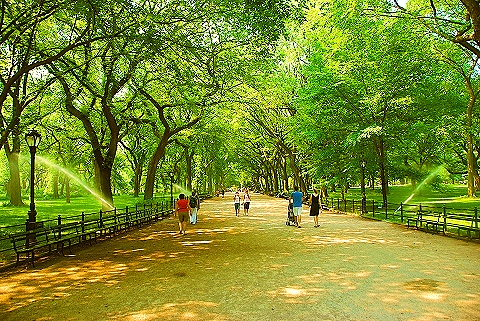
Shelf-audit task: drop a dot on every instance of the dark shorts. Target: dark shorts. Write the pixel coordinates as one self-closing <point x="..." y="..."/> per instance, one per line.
<point x="237" y="206"/>
<point x="246" y="205"/>
<point x="183" y="216"/>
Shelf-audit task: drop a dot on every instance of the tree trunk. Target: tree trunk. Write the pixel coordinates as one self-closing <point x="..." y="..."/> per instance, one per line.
<point x="14" y="190"/>
<point x="137" y="180"/>
<point x="67" y="189"/>
<point x="470" y="157"/>
<point x="380" y="150"/>
<point x="275" y="177"/>
<point x="152" y="167"/>
<point x="284" y="174"/>
<point x="188" y="169"/>
<point x="383" y="172"/>
<point x="210" y="180"/>
<point x="55" y="185"/>
<point x="106" y="186"/>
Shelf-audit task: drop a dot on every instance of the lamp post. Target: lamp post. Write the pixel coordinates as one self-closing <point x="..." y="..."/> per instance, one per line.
<point x="33" y="140"/>
<point x="171" y="188"/>
<point x="362" y="183"/>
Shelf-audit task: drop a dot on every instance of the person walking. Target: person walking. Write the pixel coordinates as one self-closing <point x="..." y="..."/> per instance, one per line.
<point x="246" y="202"/>
<point x="297" y="198"/>
<point x="182" y="210"/>
<point x="314" y="203"/>
<point x="194" y="203"/>
<point x="236" y="202"/>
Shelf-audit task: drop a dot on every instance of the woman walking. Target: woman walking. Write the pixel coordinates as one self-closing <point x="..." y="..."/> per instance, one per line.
<point x="182" y="210"/>
<point x="246" y="202"/>
<point x="236" y="201"/>
<point x="315" y="206"/>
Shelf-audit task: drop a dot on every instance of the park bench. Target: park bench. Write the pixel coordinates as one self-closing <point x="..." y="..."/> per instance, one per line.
<point x="427" y="219"/>
<point x="88" y="230"/>
<point x="141" y="217"/>
<point x="30" y="241"/>
<point x="65" y="233"/>
<point x="463" y="222"/>
<point x="110" y="225"/>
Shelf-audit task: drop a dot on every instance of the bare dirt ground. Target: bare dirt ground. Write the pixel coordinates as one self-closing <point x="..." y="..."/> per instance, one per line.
<point x="253" y="268"/>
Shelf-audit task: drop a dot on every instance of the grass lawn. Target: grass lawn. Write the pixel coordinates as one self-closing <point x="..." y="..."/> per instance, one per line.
<point x="453" y="196"/>
<point x="50" y="209"/>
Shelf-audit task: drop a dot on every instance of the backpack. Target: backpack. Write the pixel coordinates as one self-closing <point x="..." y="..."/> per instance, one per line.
<point x="193" y="202"/>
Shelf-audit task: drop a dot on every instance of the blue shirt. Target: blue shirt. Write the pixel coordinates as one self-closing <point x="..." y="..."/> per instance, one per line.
<point x="297" y="199"/>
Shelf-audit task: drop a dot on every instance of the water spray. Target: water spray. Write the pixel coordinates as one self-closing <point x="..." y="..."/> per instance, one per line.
<point x="65" y="171"/>
<point x="428" y="178"/>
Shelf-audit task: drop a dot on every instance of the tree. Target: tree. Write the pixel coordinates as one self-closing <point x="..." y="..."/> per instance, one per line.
<point x="458" y="24"/>
<point x="358" y="85"/>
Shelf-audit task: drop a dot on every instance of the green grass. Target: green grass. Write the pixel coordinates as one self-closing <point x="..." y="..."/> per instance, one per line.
<point x="450" y="195"/>
<point x="50" y="209"/>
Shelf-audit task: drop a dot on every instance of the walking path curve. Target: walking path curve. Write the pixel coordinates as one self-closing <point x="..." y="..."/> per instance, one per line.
<point x="254" y="268"/>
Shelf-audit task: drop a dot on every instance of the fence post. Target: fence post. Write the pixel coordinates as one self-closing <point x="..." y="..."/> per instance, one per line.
<point x="126" y="213"/>
<point x="444" y="210"/>
<point x="476" y="217"/>
<point x="101" y="218"/>
<point x="59" y="222"/>
<point x="84" y="237"/>
<point x="338" y="204"/>
<point x="345" y="205"/>
<point x="401" y="212"/>
<point x="353" y="205"/>
<point x="373" y="208"/>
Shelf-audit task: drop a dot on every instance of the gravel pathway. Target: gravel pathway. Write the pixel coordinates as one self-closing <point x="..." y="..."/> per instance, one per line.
<point x="253" y="268"/>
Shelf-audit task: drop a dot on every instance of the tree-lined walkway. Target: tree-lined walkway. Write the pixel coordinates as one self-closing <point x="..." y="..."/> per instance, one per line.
<point x="254" y="268"/>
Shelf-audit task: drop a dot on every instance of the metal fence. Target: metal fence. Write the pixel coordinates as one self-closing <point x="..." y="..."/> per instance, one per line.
<point x="399" y="213"/>
<point x="6" y="248"/>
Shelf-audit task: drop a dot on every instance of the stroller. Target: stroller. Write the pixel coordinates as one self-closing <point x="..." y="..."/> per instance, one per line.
<point x="290" y="217"/>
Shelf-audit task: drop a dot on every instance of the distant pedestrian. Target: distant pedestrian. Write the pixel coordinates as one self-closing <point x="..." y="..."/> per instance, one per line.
<point x="315" y="205"/>
<point x="182" y="210"/>
<point x="246" y="202"/>
<point x="297" y="198"/>
<point x="236" y="202"/>
<point x="223" y="192"/>
<point x="195" y="206"/>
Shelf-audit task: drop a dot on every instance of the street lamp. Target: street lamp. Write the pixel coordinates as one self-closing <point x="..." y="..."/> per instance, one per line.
<point x="171" y="188"/>
<point x="362" y="183"/>
<point x="33" y="140"/>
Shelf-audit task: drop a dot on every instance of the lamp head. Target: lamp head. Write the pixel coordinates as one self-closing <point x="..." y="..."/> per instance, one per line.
<point x="33" y="138"/>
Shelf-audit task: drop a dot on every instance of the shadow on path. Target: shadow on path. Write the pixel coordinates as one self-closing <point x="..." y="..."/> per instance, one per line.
<point x="254" y="268"/>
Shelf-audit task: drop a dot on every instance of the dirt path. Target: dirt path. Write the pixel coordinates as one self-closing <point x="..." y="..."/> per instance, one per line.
<point x="254" y="268"/>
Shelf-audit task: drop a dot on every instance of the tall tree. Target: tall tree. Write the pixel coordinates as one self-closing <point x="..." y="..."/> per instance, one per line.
<point x="459" y="24"/>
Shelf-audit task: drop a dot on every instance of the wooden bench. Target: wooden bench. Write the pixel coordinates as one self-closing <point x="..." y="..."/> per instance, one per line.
<point x="30" y="241"/>
<point x="429" y="219"/>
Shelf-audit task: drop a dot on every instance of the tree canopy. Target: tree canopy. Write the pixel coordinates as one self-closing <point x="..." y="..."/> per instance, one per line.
<point x="135" y="95"/>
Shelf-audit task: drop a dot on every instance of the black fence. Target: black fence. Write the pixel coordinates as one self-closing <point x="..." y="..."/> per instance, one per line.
<point x="133" y="214"/>
<point x="454" y="219"/>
